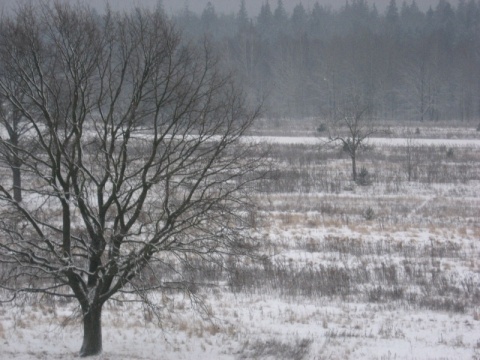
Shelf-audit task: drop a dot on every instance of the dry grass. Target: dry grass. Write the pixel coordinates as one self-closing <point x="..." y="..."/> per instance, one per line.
<point x="390" y="213"/>
<point x="276" y="349"/>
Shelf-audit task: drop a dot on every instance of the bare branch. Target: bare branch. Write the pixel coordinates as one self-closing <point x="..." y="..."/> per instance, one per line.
<point x="137" y="155"/>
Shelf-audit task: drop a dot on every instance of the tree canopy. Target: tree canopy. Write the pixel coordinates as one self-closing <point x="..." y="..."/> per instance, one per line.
<point x="134" y="163"/>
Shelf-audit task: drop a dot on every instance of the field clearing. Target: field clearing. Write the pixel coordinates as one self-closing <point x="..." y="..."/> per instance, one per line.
<point x="388" y="270"/>
<point x="380" y="141"/>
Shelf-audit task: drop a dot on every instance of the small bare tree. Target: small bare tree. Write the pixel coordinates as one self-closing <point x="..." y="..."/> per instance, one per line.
<point x="137" y="164"/>
<point x="412" y="157"/>
<point x="352" y="128"/>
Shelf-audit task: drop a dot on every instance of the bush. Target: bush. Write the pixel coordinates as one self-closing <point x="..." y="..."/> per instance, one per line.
<point x="275" y="349"/>
<point x="363" y="178"/>
<point x="450" y="153"/>
<point x="322" y="127"/>
<point x="369" y="214"/>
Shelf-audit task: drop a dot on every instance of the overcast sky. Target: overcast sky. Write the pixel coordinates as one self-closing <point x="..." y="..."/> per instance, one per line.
<point x="228" y="6"/>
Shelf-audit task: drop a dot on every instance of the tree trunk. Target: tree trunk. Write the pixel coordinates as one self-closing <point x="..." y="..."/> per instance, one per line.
<point x="354" y="168"/>
<point x="17" y="183"/>
<point x="92" y="332"/>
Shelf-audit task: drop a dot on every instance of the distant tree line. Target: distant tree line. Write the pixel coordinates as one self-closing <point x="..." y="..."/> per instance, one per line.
<point x="407" y="63"/>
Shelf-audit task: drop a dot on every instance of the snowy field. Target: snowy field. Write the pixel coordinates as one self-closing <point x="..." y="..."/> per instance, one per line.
<point x="389" y="270"/>
<point x="251" y="327"/>
<point x="382" y="141"/>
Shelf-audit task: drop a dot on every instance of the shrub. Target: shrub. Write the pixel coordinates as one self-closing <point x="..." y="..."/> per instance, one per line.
<point x="322" y="127"/>
<point x="275" y="349"/>
<point x="450" y="153"/>
<point x="363" y="178"/>
<point x="369" y="214"/>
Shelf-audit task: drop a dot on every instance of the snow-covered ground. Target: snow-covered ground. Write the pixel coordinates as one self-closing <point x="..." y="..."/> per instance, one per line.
<point x="380" y="141"/>
<point x="335" y="283"/>
<point x="252" y="327"/>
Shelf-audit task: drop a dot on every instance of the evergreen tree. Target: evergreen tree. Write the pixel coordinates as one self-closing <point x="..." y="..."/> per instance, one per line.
<point x="265" y="19"/>
<point x="392" y="15"/>
<point x="280" y="17"/>
<point x="319" y="22"/>
<point x="209" y="18"/>
<point x="242" y="17"/>
<point x="299" y="19"/>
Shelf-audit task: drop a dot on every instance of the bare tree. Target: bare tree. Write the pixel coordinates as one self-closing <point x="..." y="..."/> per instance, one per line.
<point x="13" y="128"/>
<point x="412" y="157"/>
<point x="137" y="163"/>
<point x="422" y="81"/>
<point x="352" y="128"/>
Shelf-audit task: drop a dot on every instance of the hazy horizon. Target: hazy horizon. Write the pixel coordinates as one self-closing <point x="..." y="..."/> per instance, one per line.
<point x="253" y="6"/>
<point x="229" y="6"/>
